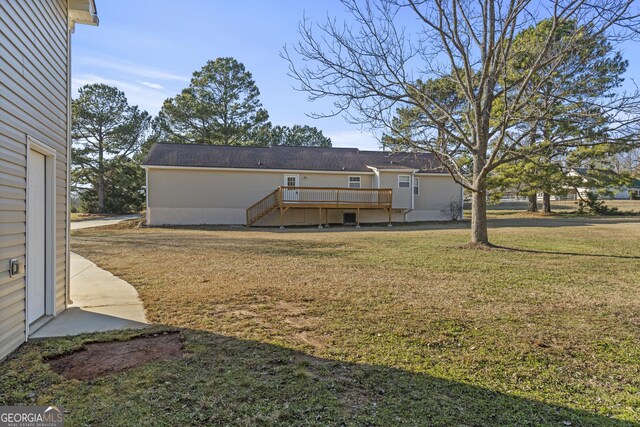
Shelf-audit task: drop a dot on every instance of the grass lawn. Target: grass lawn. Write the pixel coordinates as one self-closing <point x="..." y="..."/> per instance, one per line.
<point x="559" y="207"/>
<point x="377" y="326"/>
<point x="77" y="216"/>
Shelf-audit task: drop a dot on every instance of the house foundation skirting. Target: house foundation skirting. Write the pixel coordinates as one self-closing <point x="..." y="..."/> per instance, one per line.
<point x="310" y="216"/>
<point x="195" y="216"/>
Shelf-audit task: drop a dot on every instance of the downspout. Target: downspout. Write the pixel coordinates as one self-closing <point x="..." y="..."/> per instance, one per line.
<point x="146" y="196"/>
<point x="413" y="195"/>
<point x="70" y="28"/>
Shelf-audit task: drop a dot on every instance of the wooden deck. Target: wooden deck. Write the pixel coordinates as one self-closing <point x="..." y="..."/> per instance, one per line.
<point x="285" y="198"/>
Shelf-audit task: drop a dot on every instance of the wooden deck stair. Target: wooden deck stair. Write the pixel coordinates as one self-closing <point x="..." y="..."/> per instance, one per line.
<point x="263" y="207"/>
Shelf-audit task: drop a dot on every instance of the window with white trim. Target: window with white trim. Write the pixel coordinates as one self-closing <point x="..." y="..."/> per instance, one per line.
<point x="404" y="181"/>
<point x="354" y="182"/>
<point x="416" y="186"/>
<point x="292" y="181"/>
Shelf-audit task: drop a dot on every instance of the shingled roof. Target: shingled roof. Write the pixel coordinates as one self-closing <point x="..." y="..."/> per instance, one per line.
<point x="287" y="158"/>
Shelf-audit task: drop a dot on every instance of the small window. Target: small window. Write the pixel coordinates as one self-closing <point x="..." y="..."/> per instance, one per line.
<point x="292" y="181"/>
<point x="354" y="182"/>
<point x="416" y="186"/>
<point x="404" y="181"/>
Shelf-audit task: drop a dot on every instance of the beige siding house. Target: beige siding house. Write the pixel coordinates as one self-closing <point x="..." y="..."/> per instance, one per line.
<point x="34" y="161"/>
<point x="269" y="186"/>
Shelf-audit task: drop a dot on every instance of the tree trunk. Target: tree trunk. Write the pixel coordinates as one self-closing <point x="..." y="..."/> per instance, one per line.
<point x="100" y="194"/>
<point x="533" y="203"/>
<point x="546" y="202"/>
<point x="100" y="189"/>
<point x="479" y="233"/>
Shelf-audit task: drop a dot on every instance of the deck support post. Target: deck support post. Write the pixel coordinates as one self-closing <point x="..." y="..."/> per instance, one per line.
<point x="389" y="211"/>
<point x="358" y="218"/>
<point x="320" y="218"/>
<point x="281" y="217"/>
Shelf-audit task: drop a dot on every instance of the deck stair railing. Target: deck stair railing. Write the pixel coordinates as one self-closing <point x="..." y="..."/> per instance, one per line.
<point x="263" y="207"/>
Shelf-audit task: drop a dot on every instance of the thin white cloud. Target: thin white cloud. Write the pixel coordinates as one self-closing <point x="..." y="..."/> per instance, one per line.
<point x="146" y="98"/>
<point x="354" y="139"/>
<point x="152" y="85"/>
<point x="131" y="68"/>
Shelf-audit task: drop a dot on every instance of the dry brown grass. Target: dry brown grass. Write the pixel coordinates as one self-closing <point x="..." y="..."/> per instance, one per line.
<point x="370" y="327"/>
<point x="79" y="216"/>
<point x="558" y="207"/>
<point x="553" y="317"/>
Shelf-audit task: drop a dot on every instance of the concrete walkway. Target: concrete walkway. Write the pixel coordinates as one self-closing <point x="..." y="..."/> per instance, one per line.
<point x="101" y="302"/>
<point x="77" y="225"/>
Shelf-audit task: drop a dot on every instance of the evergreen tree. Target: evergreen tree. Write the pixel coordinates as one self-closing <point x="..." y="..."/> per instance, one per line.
<point x="106" y="133"/>
<point x="562" y="109"/>
<point x="300" y="136"/>
<point x="221" y="106"/>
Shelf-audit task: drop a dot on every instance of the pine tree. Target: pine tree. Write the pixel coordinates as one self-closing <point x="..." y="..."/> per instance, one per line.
<point x="221" y="106"/>
<point x="106" y="133"/>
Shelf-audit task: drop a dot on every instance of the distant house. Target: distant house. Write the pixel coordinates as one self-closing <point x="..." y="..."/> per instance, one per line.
<point x="630" y="192"/>
<point x="267" y="186"/>
<point x="619" y="193"/>
<point x="34" y="161"/>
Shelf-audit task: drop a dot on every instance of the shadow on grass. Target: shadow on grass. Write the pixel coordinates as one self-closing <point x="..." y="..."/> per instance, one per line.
<point x="493" y="223"/>
<point x="245" y="240"/>
<point x="544" y="221"/>
<point x="228" y="381"/>
<point x="533" y="251"/>
<point x="559" y="221"/>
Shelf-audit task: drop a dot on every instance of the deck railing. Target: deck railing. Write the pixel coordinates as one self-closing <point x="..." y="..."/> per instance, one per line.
<point x="319" y="197"/>
<point x="263" y="206"/>
<point x="335" y="197"/>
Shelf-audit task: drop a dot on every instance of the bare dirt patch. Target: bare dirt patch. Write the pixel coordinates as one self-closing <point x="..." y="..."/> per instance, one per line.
<point x="243" y="313"/>
<point x="289" y="308"/>
<point x="128" y="224"/>
<point x="309" y="339"/>
<point x="302" y="322"/>
<point x="100" y="359"/>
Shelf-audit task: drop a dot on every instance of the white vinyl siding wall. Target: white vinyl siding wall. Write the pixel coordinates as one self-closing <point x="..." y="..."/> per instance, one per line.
<point x="182" y="196"/>
<point x="33" y="102"/>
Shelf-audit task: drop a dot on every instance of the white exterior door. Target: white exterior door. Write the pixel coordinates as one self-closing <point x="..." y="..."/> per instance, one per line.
<point x="36" y="236"/>
<point x="291" y="195"/>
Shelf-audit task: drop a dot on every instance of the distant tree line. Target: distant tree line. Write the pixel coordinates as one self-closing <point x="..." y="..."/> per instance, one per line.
<point x="221" y="106"/>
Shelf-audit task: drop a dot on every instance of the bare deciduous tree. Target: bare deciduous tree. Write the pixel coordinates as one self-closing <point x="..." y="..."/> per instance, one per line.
<point x="374" y="65"/>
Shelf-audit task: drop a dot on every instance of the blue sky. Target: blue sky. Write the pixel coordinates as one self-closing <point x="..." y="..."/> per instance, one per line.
<point x="150" y="48"/>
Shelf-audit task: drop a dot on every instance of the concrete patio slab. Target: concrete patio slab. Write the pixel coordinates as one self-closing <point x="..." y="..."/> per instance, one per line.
<point x="101" y="302"/>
